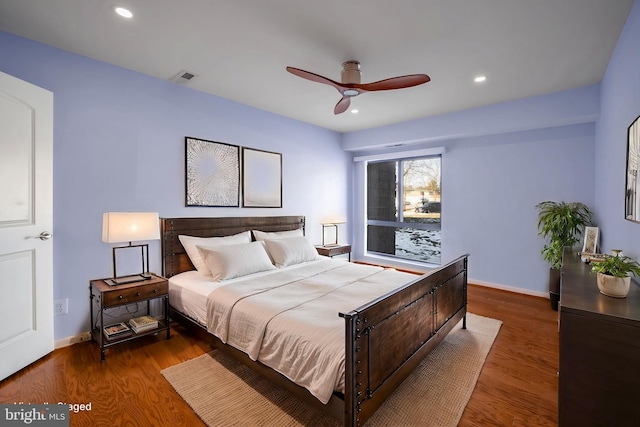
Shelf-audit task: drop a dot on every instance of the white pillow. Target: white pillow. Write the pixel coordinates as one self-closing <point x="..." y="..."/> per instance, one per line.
<point x="230" y="261"/>
<point x="263" y="235"/>
<point x="291" y="251"/>
<point x="191" y="243"/>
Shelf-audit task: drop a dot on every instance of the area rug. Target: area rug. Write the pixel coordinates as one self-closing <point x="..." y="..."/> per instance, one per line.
<point x="225" y="393"/>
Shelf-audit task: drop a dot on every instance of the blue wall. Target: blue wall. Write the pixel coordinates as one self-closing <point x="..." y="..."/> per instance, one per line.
<point x="493" y="176"/>
<point x="620" y="106"/>
<point x="119" y="146"/>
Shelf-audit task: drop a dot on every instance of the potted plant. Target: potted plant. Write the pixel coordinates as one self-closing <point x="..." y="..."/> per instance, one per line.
<point x="614" y="274"/>
<point x="560" y="223"/>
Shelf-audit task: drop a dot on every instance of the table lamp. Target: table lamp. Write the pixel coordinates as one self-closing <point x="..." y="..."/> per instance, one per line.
<point x="120" y="227"/>
<point x="330" y="232"/>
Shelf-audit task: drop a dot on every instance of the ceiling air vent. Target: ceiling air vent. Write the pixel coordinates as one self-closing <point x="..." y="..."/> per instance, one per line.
<point x="183" y="77"/>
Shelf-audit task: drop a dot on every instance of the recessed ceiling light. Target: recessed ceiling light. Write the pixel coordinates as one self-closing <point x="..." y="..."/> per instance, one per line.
<point x="125" y="13"/>
<point x="480" y="79"/>
<point x="354" y="111"/>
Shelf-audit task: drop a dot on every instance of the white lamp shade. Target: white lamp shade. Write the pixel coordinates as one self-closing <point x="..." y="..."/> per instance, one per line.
<point x="333" y="220"/>
<point x="120" y="227"/>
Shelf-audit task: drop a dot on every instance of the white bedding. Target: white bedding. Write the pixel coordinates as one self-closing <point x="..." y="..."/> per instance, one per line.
<point x="287" y="319"/>
<point x="188" y="292"/>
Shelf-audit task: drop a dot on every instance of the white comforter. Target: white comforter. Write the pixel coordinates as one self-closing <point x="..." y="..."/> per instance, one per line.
<point x="289" y="320"/>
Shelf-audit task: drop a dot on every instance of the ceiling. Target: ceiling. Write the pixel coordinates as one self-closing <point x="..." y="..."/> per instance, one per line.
<point x="239" y="49"/>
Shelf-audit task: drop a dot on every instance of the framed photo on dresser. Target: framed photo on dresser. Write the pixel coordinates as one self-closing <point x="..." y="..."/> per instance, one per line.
<point x="590" y="240"/>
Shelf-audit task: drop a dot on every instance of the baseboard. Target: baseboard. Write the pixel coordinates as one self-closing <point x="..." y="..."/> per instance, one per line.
<point x="509" y="288"/>
<point x="65" y="342"/>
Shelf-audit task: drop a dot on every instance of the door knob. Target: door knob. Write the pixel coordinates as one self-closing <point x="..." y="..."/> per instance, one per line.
<point x="45" y="235"/>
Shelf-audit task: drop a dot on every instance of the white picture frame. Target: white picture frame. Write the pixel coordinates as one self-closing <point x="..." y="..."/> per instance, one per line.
<point x="261" y="179"/>
<point x="590" y="240"/>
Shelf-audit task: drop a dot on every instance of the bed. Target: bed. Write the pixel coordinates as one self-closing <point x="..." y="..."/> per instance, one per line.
<point x="385" y="337"/>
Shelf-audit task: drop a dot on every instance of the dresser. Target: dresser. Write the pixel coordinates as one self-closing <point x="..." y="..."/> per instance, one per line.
<point x="599" y="374"/>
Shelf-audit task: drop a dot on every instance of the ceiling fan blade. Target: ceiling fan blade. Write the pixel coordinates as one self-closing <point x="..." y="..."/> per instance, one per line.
<point x="342" y="105"/>
<point x="395" y="82"/>
<point x="314" y="77"/>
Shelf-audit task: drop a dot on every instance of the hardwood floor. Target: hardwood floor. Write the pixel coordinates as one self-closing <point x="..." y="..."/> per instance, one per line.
<point x="517" y="386"/>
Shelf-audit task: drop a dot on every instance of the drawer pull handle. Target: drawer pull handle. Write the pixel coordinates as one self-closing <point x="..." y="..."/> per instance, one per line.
<point x="138" y="294"/>
<point x="120" y="296"/>
<point x="155" y="291"/>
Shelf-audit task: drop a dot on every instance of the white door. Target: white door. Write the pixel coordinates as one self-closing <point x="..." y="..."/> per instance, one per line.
<point x="26" y="192"/>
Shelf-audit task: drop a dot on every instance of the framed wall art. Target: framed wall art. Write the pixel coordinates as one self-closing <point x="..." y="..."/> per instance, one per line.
<point x="632" y="201"/>
<point x="212" y="173"/>
<point x="261" y="179"/>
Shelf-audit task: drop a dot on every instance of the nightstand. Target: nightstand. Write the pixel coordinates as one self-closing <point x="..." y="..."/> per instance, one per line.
<point x="105" y="297"/>
<point x="333" y="250"/>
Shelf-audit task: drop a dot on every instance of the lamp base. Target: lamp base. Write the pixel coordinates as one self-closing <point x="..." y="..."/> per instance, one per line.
<point x="123" y="280"/>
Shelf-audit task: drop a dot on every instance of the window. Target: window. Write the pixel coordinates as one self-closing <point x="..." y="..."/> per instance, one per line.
<point x="403" y="208"/>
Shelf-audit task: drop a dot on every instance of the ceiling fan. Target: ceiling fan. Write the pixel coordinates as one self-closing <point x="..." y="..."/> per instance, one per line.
<point x="350" y="85"/>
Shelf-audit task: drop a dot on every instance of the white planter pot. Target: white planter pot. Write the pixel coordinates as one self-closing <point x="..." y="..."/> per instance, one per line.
<point x="617" y="287"/>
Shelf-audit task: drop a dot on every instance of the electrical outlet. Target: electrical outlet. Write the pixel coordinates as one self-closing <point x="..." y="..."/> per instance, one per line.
<point x="60" y="306"/>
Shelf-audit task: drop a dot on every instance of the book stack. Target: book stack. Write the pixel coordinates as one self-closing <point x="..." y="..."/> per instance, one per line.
<point x="117" y="330"/>
<point x="143" y="324"/>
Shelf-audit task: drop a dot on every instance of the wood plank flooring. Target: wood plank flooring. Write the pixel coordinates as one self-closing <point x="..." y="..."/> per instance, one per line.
<point x="517" y="386"/>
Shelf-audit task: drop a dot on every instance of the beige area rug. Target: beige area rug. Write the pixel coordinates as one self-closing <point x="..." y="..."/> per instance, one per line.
<point x="225" y="393"/>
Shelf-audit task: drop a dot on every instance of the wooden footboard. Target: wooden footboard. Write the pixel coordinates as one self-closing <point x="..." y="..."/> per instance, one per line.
<point x="388" y="337"/>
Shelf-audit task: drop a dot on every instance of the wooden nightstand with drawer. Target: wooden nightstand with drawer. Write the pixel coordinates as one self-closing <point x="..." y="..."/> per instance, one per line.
<point x="105" y="297"/>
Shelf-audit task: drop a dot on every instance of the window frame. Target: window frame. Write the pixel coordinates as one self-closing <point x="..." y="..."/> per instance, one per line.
<point x="399" y="157"/>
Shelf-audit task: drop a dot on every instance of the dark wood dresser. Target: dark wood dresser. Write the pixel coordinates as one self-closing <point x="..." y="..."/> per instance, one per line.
<point x="599" y="375"/>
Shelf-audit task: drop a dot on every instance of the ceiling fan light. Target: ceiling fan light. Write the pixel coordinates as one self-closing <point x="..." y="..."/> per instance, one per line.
<point x="350" y="92"/>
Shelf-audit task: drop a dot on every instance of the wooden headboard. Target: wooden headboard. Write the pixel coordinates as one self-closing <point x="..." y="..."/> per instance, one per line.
<point x="174" y="257"/>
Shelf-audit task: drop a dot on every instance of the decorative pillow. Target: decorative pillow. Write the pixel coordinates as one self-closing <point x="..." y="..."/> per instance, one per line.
<point x="291" y="251"/>
<point x="191" y="243"/>
<point x="230" y="261"/>
<point x="263" y="235"/>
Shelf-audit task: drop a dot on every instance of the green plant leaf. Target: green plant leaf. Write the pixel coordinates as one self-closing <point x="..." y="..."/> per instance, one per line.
<point x="560" y="223"/>
<point x="617" y="266"/>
